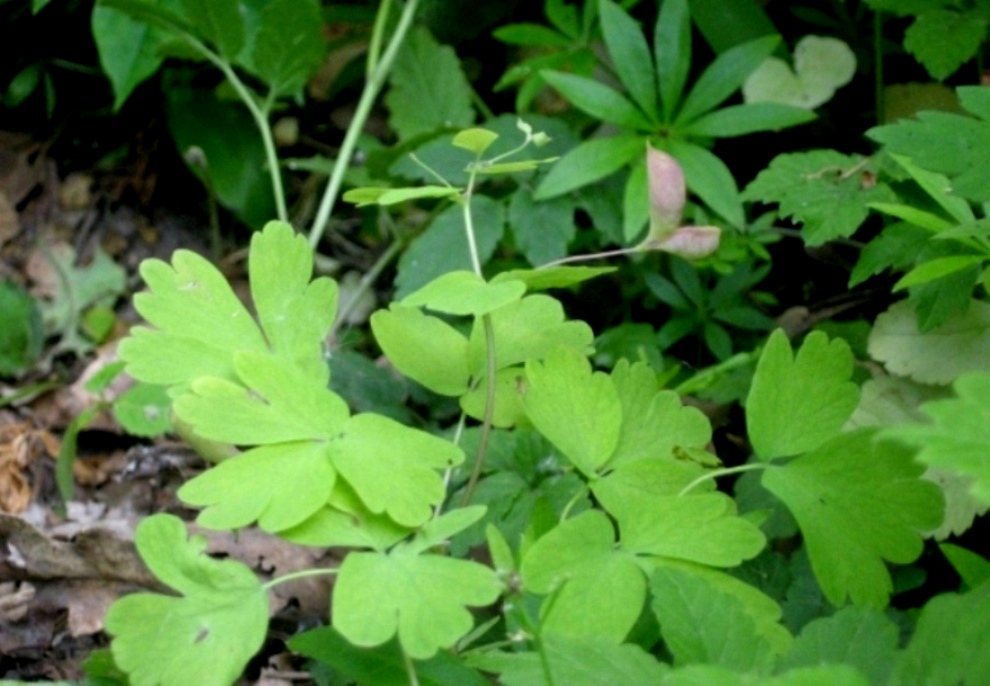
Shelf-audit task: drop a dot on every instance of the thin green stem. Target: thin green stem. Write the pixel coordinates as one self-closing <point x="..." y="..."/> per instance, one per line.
<point x="588" y="258"/>
<point x="573" y="501"/>
<point x="721" y="472"/>
<point x="486" y="424"/>
<point x="377" y="35"/>
<point x="260" y="116"/>
<point x="410" y="668"/>
<point x="373" y="84"/>
<point x="302" y="574"/>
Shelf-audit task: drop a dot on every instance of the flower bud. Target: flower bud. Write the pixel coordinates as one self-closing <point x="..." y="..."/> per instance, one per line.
<point x="667" y="193"/>
<point x="689" y="242"/>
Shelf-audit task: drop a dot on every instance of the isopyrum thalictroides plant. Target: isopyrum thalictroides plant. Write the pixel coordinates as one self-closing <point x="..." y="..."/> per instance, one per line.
<point x="567" y="530"/>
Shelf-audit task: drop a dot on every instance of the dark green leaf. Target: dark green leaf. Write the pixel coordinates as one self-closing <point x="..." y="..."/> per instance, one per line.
<point x="942" y="39"/>
<point x="219" y="22"/>
<point x="289" y="46"/>
<point x="597" y="99"/>
<point x="630" y="55"/>
<point x="672" y="48"/>
<point x="21" y="333"/>
<point x="589" y="162"/>
<point x="542" y="229"/>
<point x="708" y="176"/>
<point x="740" y="120"/>
<point x="530" y="34"/>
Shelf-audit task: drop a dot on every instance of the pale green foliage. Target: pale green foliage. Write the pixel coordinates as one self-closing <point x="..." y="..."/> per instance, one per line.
<point x="204" y="636"/>
<point x="858" y="502"/>
<point x="938" y="356"/>
<point x="821" y="65"/>
<point x="957" y="439"/>
<point x="465" y="293"/>
<point x="595" y="590"/>
<point x="799" y="401"/>
<point x="422" y="598"/>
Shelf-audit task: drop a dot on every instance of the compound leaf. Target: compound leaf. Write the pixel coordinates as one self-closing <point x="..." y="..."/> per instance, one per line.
<point x="594" y="589"/>
<point x="654" y="422"/>
<point x="858" y="502"/>
<point x="826" y="191"/>
<point x="422" y="598"/>
<point x="279" y="486"/>
<point x="277" y="402"/>
<point x="957" y="438"/>
<point x="527" y="329"/>
<point x="796" y="403"/>
<point x="576" y="409"/>
<point x="205" y="636"/>
<point x="630" y="55"/>
<point x="295" y="313"/>
<point x="654" y="518"/>
<point x="424" y="348"/>
<point x="393" y="468"/>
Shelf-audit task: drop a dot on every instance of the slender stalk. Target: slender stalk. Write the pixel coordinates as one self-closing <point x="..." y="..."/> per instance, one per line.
<point x="486" y="424"/>
<point x="410" y="668"/>
<point x="302" y="574"/>
<point x="721" y="472"/>
<point x="593" y="256"/>
<point x="260" y="116"/>
<point x="373" y="84"/>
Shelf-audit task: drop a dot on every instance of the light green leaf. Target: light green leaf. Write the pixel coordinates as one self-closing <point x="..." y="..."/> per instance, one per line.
<point x="198" y="321"/>
<point x="475" y="140"/>
<point x="575" y="661"/>
<point x="422" y="598"/>
<point x="859" y="636"/>
<point x="725" y="76"/>
<point x="949" y="642"/>
<point x="702" y="624"/>
<point x="654" y="423"/>
<point x="295" y="313"/>
<point x="708" y="176"/>
<point x="544" y="278"/>
<point x="439" y="530"/>
<point x="796" y="403"/>
<point x="424" y="348"/>
<point x="630" y="55"/>
<point x="588" y="162"/>
<point x="655" y="519"/>
<point x="527" y="329"/>
<point x="279" y="486"/>
<point x="594" y="590"/>
<point x="925" y="220"/>
<point x="277" y="402"/>
<point x="207" y="635"/>
<point x="938" y="356"/>
<point x="672" y="51"/>
<point x="363" y="197"/>
<point x="821" y="65"/>
<point x="428" y="88"/>
<point x="822" y="189"/>
<point x="957" y="439"/>
<point x="219" y="22"/>
<point x="393" y="468"/>
<point x="465" y="293"/>
<point x="936" y="269"/>
<point x="576" y="409"/>
<point x="597" y="99"/>
<point x="542" y="230"/>
<point x="858" y="502"/>
<point x="346" y="522"/>
<point x="938" y="188"/>
<point x="635" y="202"/>
<point x="143" y="410"/>
<point x="443" y="247"/>
<point x="741" y="120"/>
<point x="508" y="409"/>
<point x="820" y="675"/>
